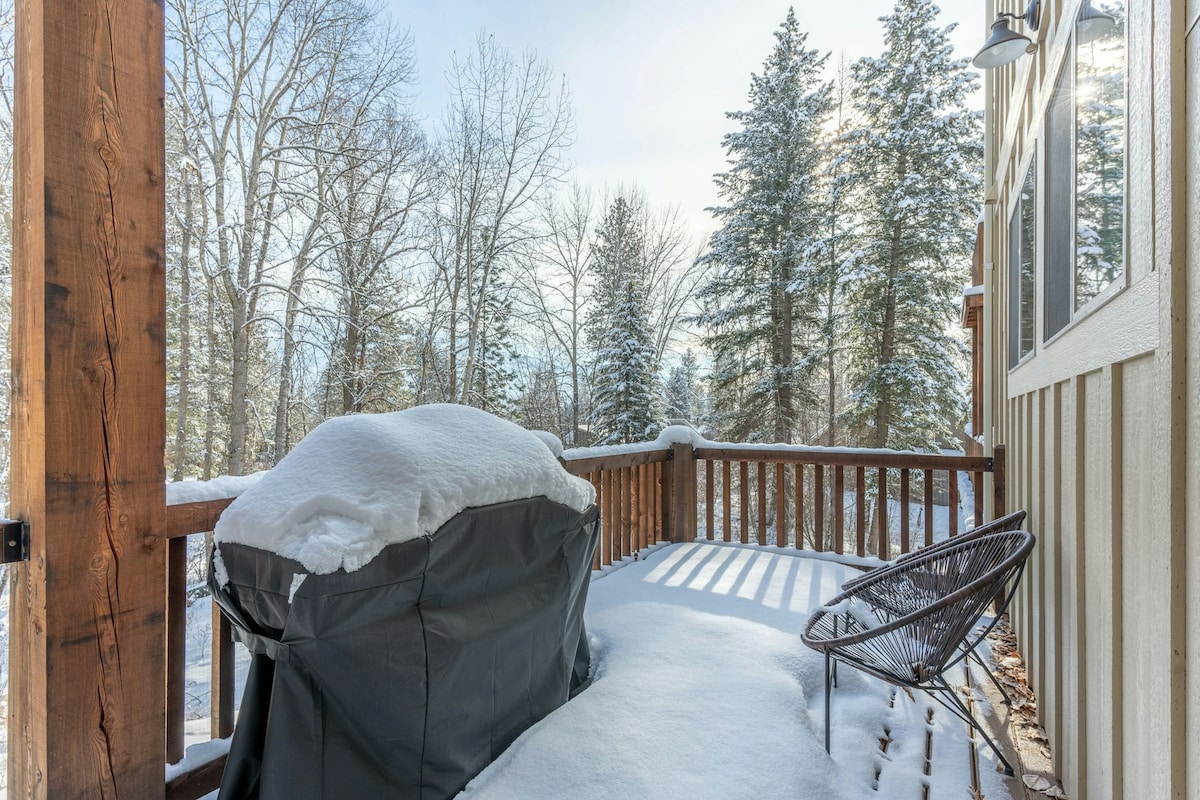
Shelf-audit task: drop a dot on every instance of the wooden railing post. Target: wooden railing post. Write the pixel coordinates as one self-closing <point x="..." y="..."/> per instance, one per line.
<point x="998" y="478"/>
<point x="682" y="523"/>
<point x="86" y="679"/>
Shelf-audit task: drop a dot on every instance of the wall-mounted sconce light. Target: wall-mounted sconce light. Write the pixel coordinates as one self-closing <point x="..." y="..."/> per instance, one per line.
<point x="1006" y="45"/>
<point x="1092" y="24"/>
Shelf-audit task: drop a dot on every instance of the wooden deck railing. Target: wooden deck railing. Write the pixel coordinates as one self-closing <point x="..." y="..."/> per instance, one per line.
<point x="799" y="497"/>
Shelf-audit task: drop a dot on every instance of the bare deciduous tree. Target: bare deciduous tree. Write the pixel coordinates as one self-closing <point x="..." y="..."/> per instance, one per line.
<point x="501" y="147"/>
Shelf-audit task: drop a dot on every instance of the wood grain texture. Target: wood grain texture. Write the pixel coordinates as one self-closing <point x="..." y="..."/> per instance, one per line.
<point x="197" y="782"/>
<point x="88" y="681"/>
<point x="184" y="519"/>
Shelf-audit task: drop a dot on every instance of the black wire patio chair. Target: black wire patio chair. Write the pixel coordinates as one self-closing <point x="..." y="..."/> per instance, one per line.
<point x="935" y="600"/>
<point x="1008" y="522"/>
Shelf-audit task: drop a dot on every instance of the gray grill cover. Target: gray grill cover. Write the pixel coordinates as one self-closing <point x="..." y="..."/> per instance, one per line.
<point x="407" y="677"/>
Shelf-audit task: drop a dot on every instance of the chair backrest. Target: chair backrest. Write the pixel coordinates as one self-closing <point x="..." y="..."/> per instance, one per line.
<point x="1008" y="522"/>
<point x="933" y="600"/>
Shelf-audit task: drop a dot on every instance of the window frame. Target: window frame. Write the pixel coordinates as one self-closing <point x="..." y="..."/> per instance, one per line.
<point x="1065" y="83"/>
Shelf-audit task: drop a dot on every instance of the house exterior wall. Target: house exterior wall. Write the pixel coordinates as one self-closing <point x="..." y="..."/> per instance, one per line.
<point x="1102" y="420"/>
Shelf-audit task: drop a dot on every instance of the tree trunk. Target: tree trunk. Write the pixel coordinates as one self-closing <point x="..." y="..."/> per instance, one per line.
<point x="179" y="448"/>
<point x="210" y="405"/>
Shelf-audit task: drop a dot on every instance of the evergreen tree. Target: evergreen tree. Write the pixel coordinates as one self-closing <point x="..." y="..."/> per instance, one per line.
<point x="683" y="401"/>
<point x="916" y="163"/>
<point x="624" y="392"/>
<point x="762" y="299"/>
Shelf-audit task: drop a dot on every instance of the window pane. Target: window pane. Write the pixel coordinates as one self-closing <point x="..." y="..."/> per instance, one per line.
<point x="1099" y="148"/>
<point x="1028" y="212"/>
<point x="1058" y="175"/>
<point x="1015" y="330"/>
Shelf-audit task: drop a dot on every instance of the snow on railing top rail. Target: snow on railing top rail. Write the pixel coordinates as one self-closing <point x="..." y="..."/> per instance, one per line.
<point x="227" y="487"/>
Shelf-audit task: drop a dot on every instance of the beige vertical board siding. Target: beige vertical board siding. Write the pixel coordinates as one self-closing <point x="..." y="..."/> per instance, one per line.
<point x="1170" y="201"/>
<point x="1192" y="490"/>
<point x="1028" y="482"/>
<point x="1048" y="680"/>
<point x="1146" y="566"/>
<point x="1095" y="527"/>
<point x="1069" y="749"/>
<point x="1037" y="570"/>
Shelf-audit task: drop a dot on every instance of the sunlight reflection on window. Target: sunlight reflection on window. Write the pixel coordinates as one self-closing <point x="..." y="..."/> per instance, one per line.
<point x="1099" y="149"/>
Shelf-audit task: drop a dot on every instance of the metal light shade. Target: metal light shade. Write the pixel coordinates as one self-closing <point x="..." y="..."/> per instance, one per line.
<point x="1092" y="24"/>
<point x="1003" y="46"/>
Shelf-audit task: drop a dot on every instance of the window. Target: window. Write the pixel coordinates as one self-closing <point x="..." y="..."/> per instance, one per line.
<point x="1099" y="152"/>
<point x="1085" y="167"/>
<point x="1022" y="258"/>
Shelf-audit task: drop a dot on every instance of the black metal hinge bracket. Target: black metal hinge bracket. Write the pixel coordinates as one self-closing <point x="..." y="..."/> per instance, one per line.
<point x="16" y="540"/>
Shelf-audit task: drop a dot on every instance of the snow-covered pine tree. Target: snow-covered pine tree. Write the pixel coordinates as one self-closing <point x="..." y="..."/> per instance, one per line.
<point x="683" y="400"/>
<point x="762" y="297"/>
<point x="625" y="391"/>
<point x="837" y="245"/>
<point x="916" y="166"/>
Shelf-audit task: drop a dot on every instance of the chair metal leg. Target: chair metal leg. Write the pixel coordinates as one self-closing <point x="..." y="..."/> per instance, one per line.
<point x="945" y="694"/>
<point x="992" y="676"/>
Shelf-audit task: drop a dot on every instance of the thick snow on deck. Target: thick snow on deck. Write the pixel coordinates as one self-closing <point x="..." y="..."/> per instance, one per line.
<point x="704" y="691"/>
<point x="359" y="483"/>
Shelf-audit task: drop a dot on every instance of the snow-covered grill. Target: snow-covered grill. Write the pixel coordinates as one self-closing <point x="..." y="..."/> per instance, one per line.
<point x="409" y="616"/>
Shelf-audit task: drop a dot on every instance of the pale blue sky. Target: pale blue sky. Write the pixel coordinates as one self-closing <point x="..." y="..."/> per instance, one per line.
<point x="651" y="80"/>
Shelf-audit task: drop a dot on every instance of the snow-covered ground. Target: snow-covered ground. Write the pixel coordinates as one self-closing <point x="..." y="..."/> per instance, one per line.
<point x="703" y="689"/>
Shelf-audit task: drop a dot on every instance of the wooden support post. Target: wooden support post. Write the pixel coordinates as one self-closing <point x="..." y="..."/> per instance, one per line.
<point x="998" y="477"/>
<point x="683" y="493"/>
<point x="87" y="681"/>
<point x="666" y="488"/>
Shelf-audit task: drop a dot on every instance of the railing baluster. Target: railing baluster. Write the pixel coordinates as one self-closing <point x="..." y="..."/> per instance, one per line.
<point x="928" y="507"/>
<point x="638" y="510"/>
<point x="595" y="481"/>
<point x="176" y="644"/>
<point x="798" y="526"/>
<point x="647" y="537"/>
<point x="610" y="517"/>
<point x="780" y="506"/>
<point x="660" y="471"/>
<point x="860" y="511"/>
<point x="839" y="509"/>
<point x="762" y="503"/>
<point x="726" y="502"/>
<point x="221" y="710"/>
<point x="883" y="547"/>
<point x="952" y="511"/>
<point x="905" y="515"/>
<point x="977" y="486"/>
<point x="709" y="500"/>
<point x="626" y="515"/>
<point x="819" y="507"/>
<point x="744" y="496"/>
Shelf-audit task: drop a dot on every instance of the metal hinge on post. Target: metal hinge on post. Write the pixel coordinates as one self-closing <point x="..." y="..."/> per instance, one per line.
<point x="16" y="540"/>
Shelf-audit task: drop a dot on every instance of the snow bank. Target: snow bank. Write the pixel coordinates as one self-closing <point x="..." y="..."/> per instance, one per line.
<point x="359" y="483"/>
